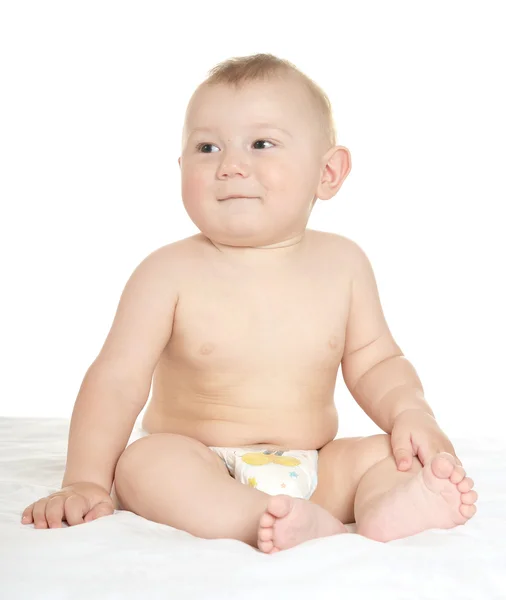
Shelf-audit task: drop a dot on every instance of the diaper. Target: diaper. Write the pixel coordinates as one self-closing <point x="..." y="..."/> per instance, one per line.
<point x="291" y="472"/>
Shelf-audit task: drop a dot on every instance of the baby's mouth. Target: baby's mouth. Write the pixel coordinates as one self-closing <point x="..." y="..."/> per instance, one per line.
<point x="238" y="198"/>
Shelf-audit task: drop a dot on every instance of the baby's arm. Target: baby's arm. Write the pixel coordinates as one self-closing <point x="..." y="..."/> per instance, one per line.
<point x="117" y="384"/>
<point x="380" y="378"/>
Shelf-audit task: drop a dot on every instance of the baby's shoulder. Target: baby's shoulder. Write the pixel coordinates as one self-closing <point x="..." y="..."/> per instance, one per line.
<point x="169" y="263"/>
<point x="337" y="246"/>
<point x="176" y="253"/>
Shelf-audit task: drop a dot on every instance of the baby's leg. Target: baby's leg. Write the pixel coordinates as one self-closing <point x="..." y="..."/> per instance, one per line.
<point x="341" y="465"/>
<point x="178" y="481"/>
<point x="358" y="478"/>
<point x="392" y="504"/>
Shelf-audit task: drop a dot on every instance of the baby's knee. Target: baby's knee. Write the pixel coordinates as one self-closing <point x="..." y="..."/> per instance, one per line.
<point x="371" y="450"/>
<point x="162" y="452"/>
<point x="380" y="444"/>
<point x="146" y="450"/>
<point x="141" y="461"/>
<point x="357" y="453"/>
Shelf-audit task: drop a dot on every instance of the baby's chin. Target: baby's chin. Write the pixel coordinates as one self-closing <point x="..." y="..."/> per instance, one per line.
<point x="249" y="229"/>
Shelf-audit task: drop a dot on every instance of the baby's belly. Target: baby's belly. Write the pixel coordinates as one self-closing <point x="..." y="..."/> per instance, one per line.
<point x="295" y="427"/>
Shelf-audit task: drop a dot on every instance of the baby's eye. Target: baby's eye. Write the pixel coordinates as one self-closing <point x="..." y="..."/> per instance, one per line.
<point x="202" y="146"/>
<point x="263" y="142"/>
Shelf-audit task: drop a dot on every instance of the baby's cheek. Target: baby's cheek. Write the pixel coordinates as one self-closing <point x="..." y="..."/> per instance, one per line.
<point x="291" y="180"/>
<point x="193" y="188"/>
<point x="278" y="178"/>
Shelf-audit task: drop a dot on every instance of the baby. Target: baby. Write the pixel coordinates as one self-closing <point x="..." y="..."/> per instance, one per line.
<point x="242" y="329"/>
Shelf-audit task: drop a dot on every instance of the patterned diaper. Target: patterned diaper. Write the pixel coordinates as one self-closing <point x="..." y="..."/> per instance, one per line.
<point x="291" y="472"/>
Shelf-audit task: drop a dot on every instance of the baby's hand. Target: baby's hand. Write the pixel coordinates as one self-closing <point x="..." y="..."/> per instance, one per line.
<point x="416" y="433"/>
<point x="78" y="503"/>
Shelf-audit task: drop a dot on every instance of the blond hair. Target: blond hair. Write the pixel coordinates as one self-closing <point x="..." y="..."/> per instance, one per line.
<point x="237" y="71"/>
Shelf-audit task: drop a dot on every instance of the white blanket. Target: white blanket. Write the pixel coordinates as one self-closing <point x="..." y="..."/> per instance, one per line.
<point x="126" y="556"/>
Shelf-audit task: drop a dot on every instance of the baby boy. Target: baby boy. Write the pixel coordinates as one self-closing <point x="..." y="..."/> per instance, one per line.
<point x="241" y="330"/>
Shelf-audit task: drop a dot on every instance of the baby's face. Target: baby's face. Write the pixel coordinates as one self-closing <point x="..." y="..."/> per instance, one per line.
<point x="263" y="141"/>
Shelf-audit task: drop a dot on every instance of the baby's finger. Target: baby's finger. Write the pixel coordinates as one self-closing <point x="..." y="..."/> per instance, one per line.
<point x="26" y="517"/>
<point x="54" y="511"/>
<point x="102" y="509"/>
<point x="75" y="508"/>
<point x="39" y="514"/>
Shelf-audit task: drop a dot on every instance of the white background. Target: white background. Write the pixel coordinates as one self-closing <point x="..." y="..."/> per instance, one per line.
<point x="92" y="102"/>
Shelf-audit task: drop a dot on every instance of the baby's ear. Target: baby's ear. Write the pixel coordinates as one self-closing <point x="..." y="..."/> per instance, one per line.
<point x="337" y="165"/>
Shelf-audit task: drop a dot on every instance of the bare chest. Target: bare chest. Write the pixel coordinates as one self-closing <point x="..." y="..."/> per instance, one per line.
<point x="287" y="325"/>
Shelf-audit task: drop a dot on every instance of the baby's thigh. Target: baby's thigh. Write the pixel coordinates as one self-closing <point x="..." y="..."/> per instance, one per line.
<point x="159" y="456"/>
<point x="341" y="465"/>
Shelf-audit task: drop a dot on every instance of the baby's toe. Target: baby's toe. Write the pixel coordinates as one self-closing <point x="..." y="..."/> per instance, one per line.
<point x="467" y="510"/>
<point x="465" y="485"/>
<point x="265" y="534"/>
<point x="280" y="505"/>
<point x="266" y="547"/>
<point x="443" y="465"/>
<point x="458" y="475"/>
<point x="469" y="497"/>
<point x="267" y="520"/>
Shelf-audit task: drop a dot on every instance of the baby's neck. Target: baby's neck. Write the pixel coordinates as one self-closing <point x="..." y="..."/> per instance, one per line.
<point x="262" y="255"/>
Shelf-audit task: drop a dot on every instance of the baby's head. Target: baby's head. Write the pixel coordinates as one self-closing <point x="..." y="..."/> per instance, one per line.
<point x="260" y="128"/>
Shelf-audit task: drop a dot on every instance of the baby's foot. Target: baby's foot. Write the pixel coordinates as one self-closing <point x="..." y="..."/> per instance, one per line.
<point x="439" y="496"/>
<point x="290" y="521"/>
